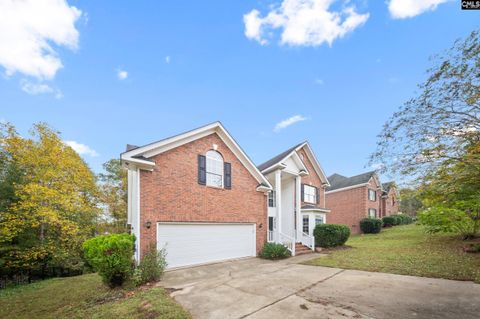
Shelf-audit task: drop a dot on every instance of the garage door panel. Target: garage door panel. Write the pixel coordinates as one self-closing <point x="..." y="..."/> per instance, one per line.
<point x="190" y="244"/>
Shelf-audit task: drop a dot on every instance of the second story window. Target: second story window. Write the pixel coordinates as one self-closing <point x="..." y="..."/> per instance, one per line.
<point x="372" y="195"/>
<point x="309" y="194"/>
<point x="271" y="199"/>
<point x="214" y="169"/>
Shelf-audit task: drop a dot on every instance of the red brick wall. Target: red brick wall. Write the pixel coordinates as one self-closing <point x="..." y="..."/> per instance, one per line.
<point x="391" y="209"/>
<point x="312" y="179"/>
<point x="171" y="192"/>
<point x="349" y="206"/>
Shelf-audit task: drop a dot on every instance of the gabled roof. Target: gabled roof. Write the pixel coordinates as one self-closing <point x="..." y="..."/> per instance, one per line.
<point x="338" y="181"/>
<point x="139" y="156"/>
<point x="386" y="186"/>
<point x="278" y="159"/>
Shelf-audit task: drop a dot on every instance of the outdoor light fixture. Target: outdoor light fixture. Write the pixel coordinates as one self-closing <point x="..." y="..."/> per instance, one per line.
<point x="148" y="224"/>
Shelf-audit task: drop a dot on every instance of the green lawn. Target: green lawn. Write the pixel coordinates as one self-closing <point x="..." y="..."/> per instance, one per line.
<point x="406" y="250"/>
<point x="86" y="297"/>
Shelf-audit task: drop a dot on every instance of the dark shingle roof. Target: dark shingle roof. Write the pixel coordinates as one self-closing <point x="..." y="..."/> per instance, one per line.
<point x="386" y="186"/>
<point x="338" y="181"/>
<point x="277" y="158"/>
<point x="131" y="147"/>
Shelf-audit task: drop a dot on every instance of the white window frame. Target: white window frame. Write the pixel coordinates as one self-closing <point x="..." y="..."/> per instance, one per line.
<point x="272" y="197"/>
<point x="319" y="217"/>
<point x="308" y="197"/>
<point x="372" y="195"/>
<point x="214" y="168"/>
<point x="306" y="218"/>
<point x="370" y="210"/>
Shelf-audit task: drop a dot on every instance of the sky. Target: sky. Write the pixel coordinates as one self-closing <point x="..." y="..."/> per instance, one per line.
<point x="275" y="73"/>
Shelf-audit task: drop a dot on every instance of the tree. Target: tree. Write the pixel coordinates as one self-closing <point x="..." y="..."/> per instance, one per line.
<point x="55" y="203"/>
<point x="442" y="121"/>
<point x="410" y="201"/>
<point x="113" y="194"/>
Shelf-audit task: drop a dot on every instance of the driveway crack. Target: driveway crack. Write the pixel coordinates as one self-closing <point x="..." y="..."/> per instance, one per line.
<point x="293" y="294"/>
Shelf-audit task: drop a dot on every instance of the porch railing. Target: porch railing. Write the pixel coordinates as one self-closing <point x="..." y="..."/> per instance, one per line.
<point x="308" y="241"/>
<point x="287" y="241"/>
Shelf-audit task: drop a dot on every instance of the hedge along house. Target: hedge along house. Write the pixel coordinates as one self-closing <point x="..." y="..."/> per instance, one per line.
<point x="353" y="198"/>
<point x="199" y="196"/>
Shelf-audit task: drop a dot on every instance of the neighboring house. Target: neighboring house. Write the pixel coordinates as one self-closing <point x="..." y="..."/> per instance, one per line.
<point x="200" y="197"/>
<point x="390" y="201"/>
<point x="352" y="198"/>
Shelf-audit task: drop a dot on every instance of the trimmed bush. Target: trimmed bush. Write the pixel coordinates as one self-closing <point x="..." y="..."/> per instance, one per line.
<point x="274" y="251"/>
<point x="388" y="221"/>
<point x="331" y="235"/>
<point x="111" y="256"/>
<point x="397" y="220"/>
<point x="405" y="219"/>
<point x="151" y="266"/>
<point x="371" y="225"/>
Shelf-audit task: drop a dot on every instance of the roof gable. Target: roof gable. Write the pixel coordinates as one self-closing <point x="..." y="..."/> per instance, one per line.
<point x="140" y="156"/>
<point x="338" y="181"/>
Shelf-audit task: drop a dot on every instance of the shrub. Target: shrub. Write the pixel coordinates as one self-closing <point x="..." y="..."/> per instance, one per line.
<point x="396" y="220"/>
<point x="274" y="251"/>
<point x="406" y="219"/>
<point x="111" y="256"/>
<point x="449" y="220"/>
<point x="388" y="221"/>
<point x="151" y="266"/>
<point x="331" y="235"/>
<point x="371" y="225"/>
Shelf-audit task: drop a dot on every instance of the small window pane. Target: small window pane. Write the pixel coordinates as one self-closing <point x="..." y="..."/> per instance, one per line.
<point x="309" y="194"/>
<point x="305" y="224"/>
<point x="214" y="169"/>
<point x="271" y="199"/>
<point x="318" y="220"/>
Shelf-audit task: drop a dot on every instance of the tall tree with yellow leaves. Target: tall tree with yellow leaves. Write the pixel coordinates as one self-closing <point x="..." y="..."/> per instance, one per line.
<point x="55" y="202"/>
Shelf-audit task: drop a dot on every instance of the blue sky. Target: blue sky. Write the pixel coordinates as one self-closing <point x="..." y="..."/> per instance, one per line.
<point x="138" y="72"/>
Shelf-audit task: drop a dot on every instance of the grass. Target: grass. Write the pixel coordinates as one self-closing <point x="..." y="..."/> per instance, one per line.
<point x="86" y="297"/>
<point x="406" y="250"/>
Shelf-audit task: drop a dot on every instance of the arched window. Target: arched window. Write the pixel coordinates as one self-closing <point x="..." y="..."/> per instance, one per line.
<point x="214" y="169"/>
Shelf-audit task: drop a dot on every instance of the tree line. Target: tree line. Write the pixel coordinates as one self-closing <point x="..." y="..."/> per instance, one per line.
<point x="51" y="202"/>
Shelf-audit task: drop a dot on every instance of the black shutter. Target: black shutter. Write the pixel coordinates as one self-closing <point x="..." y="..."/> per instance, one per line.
<point x="202" y="170"/>
<point x="302" y="193"/>
<point x="317" y="194"/>
<point x="227" y="175"/>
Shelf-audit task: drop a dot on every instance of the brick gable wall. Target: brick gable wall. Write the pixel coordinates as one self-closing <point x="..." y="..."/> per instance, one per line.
<point x="349" y="206"/>
<point x="312" y="179"/>
<point x="171" y="193"/>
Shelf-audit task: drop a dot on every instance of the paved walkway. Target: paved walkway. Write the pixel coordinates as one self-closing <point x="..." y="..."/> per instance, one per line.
<point x="256" y="288"/>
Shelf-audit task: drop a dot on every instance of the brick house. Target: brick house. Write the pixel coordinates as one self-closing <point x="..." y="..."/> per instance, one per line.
<point x="200" y="197"/>
<point x="351" y="199"/>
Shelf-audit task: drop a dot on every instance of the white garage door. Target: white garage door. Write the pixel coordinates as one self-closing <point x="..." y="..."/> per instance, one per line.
<point x="195" y="243"/>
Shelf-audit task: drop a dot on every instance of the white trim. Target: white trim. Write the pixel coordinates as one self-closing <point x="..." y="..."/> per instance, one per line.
<point x="345" y="188"/>
<point x="296" y="158"/>
<point x="316" y="164"/>
<point x="178" y="140"/>
<point x="138" y="217"/>
<point x="315" y="210"/>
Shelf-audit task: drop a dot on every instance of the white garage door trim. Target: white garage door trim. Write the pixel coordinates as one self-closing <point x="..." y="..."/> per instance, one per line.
<point x="188" y="245"/>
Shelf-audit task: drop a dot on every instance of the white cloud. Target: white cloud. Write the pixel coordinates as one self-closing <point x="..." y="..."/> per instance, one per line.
<point x="287" y="122"/>
<point x="401" y="9"/>
<point x="29" y="28"/>
<point x="319" y="82"/>
<point x="122" y="74"/>
<point x="304" y="22"/>
<point x="167" y="59"/>
<point x="81" y="149"/>
<point x="377" y="166"/>
<point x="39" y="88"/>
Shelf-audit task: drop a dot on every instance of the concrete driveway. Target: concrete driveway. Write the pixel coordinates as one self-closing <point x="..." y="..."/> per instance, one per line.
<point x="256" y="288"/>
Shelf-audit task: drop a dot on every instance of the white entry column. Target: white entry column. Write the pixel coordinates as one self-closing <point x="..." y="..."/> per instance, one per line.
<point x="298" y="207"/>
<point x="278" y="200"/>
